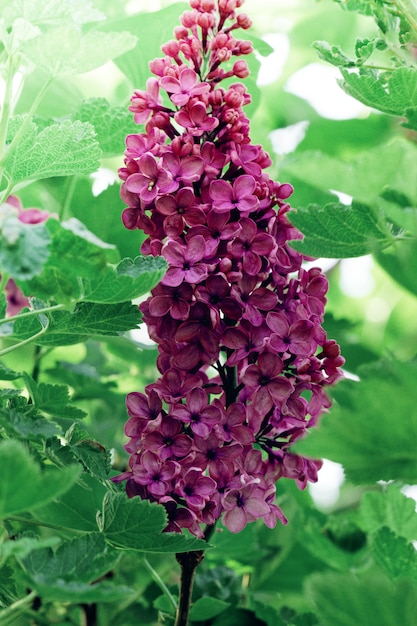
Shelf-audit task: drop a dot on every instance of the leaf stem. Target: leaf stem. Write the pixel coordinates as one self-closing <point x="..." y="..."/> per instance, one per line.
<point x="19" y="316"/>
<point x="189" y="562"/>
<point x="31" y="522"/>
<point x="16" y="606"/>
<point x="156" y="577"/>
<point x="26" y="121"/>
<point x="24" y="342"/>
<point x="6" y="108"/>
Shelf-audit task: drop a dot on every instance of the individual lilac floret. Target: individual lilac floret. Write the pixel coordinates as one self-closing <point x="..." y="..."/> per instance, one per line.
<point x="243" y="358"/>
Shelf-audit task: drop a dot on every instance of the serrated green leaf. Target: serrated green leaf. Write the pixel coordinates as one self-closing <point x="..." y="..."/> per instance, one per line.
<point x="61" y="149"/>
<point x="53" y="399"/>
<point x="65" y="575"/>
<point x="392" y="165"/>
<point x="332" y="54"/>
<point x="75" y="254"/>
<point x="76" y="52"/>
<point x="76" y="508"/>
<point x="19" y="471"/>
<point x="8" y="588"/>
<point x="87" y="320"/>
<point x="396" y="556"/>
<point x="389" y="508"/>
<point x="349" y="600"/>
<point x="24" y="248"/>
<point x="134" y="524"/>
<point x="8" y="374"/>
<point x="82" y="560"/>
<point x="111" y="124"/>
<point x="340" y="231"/>
<point x="206" y="608"/>
<point x="393" y="93"/>
<point x="364" y="48"/>
<point x="21" y="547"/>
<point x="127" y="281"/>
<point x="27" y="424"/>
<point x="94" y="456"/>
<point x="372" y="429"/>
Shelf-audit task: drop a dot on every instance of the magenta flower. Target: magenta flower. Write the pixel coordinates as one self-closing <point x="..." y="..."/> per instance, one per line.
<point x="251" y="246"/>
<point x="150" y="180"/>
<point x="242" y="506"/>
<point x="186" y="86"/>
<point x="145" y="102"/>
<point x="185" y="262"/>
<point x="168" y="441"/>
<point x="155" y="474"/>
<point x="197" y="412"/>
<point x="195" y="488"/>
<point x="227" y="197"/>
<point x="268" y="385"/>
<point x="195" y="119"/>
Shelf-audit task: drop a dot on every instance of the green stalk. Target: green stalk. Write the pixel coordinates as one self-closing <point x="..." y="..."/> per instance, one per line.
<point x="6" y="108"/>
<point x="6" y="614"/>
<point x="47" y="309"/>
<point x="16" y="346"/>
<point x="24" y="520"/>
<point x="156" y="577"/>
<point x="27" y="120"/>
<point x="408" y="8"/>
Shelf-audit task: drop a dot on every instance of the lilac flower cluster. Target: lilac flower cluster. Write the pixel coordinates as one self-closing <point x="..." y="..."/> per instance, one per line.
<point x="243" y="357"/>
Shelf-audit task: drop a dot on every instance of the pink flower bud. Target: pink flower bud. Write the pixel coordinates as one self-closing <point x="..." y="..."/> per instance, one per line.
<point x="240" y="69"/>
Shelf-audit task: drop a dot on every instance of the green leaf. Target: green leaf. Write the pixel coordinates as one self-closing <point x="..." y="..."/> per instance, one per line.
<point x="61" y="149"/>
<point x="21" y="547"/>
<point x="82" y="560"/>
<point x="314" y="539"/>
<point x="392" y="165"/>
<point x="392" y="93"/>
<point x="19" y="470"/>
<point x="340" y="231"/>
<point x="332" y="54"/>
<point x="8" y="589"/>
<point x="127" y="281"/>
<point x="349" y="600"/>
<point x="87" y="320"/>
<point x="94" y="457"/>
<point x="152" y="30"/>
<point x="111" y="124"/>
<point x="24" y="248"/>
<point x="66" y="574"/>
<point x="399" y="262"/>
<point x="206" y="608"/>
<point x="53" y="399"/>
<point x="75" y="254"/>
<point x="134" y="524"/>
<point x="25" y="423"/>
<point x="75" y="52"/>
<point x="372" y="429"/>
<point x="396" y="556"/>
<point x="389" y="508"/>
<point x="8" y="374"/>
<point x="76" y="508"/>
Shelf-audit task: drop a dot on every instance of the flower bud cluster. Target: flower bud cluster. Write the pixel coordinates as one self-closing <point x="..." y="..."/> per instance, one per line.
<point x="243" y="358"/>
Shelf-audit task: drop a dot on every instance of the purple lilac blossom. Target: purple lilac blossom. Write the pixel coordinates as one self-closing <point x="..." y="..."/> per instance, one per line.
<point x="243" y="358"/>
